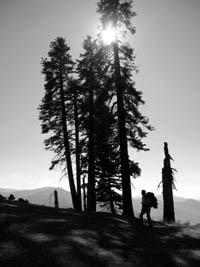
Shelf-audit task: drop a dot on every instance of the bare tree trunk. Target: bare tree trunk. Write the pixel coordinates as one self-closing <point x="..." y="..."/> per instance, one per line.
<point x="56" y="205"/>
<point x="167" y="181"/>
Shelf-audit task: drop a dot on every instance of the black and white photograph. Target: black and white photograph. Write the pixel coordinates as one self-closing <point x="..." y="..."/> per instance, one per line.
<point x="99" y="133"/>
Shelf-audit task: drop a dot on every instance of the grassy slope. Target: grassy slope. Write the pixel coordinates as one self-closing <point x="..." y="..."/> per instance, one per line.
<point x="39" y="236"/>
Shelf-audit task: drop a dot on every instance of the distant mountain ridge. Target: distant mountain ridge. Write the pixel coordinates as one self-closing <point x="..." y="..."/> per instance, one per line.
<point x="186" y="210"/>
<point x="41" y="196"/>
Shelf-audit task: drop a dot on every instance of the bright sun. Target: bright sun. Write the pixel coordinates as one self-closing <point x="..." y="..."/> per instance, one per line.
<point x="109" y="35"/>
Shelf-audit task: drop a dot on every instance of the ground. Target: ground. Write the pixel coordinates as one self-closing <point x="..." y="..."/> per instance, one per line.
<point x="32" y="235"/>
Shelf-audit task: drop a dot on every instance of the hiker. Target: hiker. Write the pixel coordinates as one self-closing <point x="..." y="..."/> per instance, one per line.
<point x="146" y="208"/>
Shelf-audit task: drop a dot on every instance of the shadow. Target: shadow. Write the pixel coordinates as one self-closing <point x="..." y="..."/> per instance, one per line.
<point x="42" y="236"/>
<point x="167" y="245"/>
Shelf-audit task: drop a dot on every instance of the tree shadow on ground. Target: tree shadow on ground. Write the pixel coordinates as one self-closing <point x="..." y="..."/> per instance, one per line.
<point x="39" y="236"/>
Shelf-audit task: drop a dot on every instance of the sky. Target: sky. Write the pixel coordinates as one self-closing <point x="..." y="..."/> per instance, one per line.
<point x="166" y="44"/>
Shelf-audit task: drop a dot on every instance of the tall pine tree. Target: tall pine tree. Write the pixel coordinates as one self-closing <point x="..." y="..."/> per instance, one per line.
<point x="131" y="123"/>
<point x="53" y="109"/>
<point x="87" y="75"/>
<point x="93" y="75"/>
<point x="74" y="108"/>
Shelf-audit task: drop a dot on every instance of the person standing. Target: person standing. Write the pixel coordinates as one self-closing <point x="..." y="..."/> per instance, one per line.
<point x="146" y="208"/>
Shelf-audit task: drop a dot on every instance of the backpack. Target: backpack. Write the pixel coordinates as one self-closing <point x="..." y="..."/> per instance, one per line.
<point x="153" y="200"/>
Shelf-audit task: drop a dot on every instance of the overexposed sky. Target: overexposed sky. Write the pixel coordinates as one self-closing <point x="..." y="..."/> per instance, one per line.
<point x="166" y="43"/>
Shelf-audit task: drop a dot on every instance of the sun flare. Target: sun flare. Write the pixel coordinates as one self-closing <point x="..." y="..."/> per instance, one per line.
<point x="109" y="35"/>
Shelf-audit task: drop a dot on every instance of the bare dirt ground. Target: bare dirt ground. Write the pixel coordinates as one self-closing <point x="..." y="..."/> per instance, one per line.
<point x="39" y="236"/>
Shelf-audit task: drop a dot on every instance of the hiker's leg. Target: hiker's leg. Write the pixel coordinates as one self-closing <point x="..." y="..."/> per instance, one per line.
<point x="141" y="218"/>
<point x="149" y="217"/>
<point x="141" y="215"/>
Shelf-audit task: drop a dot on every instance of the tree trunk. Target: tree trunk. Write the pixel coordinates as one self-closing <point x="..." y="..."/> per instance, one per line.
<point x="84" y="195"/>
<point x="167" y="181"/>
<point x="112" y="207"/>
<point x="126" y="182"/>
<point x="78" y="169"/>
<point x="66" y="145"/>
<point x="91" y="195"/>
<point x="56" y="205"/>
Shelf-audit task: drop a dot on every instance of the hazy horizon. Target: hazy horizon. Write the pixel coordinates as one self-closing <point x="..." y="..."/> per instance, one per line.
<point x="159" y="195"/>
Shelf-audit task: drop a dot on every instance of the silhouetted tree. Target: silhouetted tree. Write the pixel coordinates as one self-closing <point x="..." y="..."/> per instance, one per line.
<point x="107" y="155"/>
<point x="168" y="185"/>
<point x="99" y="123"/>
<point x="11" y="197"/>
<point x="91" y="69"/>
<point x="2" y="197"/>
<point x="53" y="110"/>
<point x="74" y="114"/>
<point x="86" y="72"/>
<point x="76" y="96"/>
<point x="131" y="123"/>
